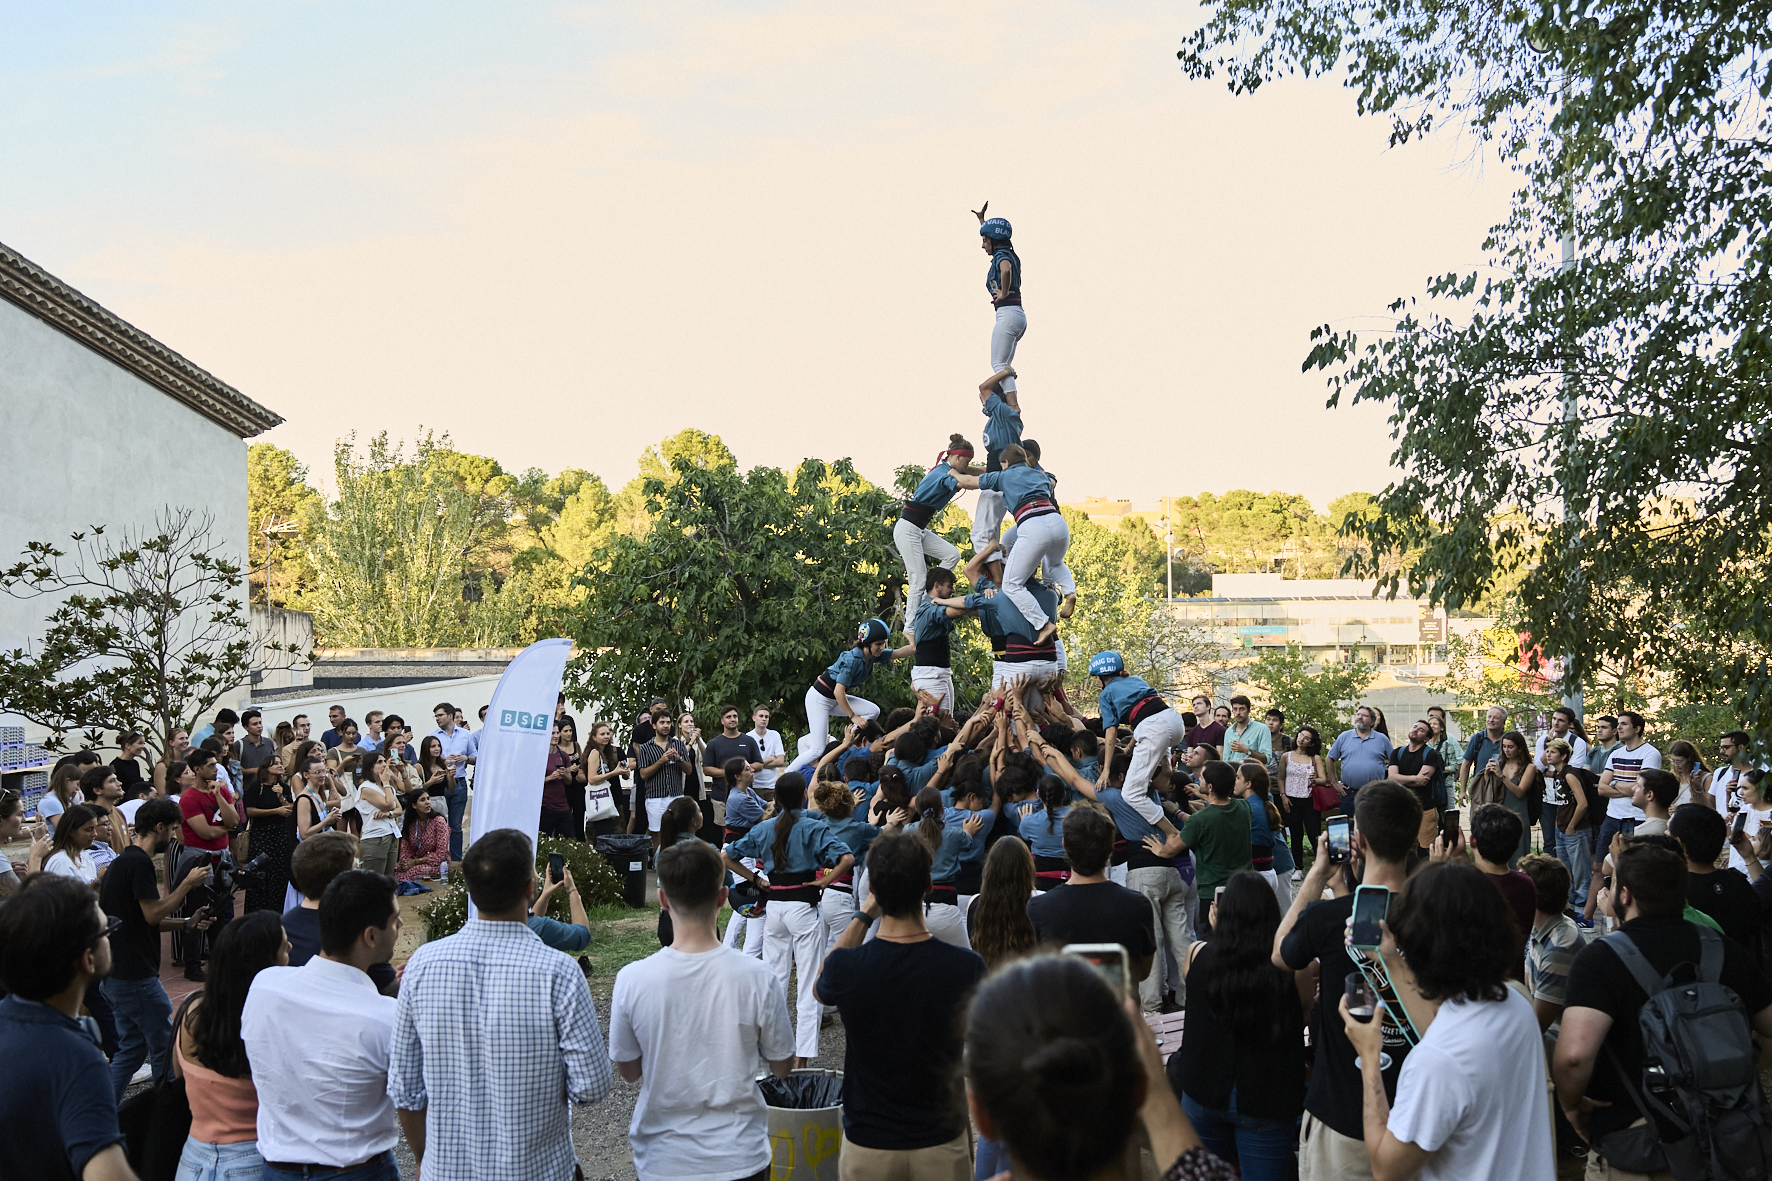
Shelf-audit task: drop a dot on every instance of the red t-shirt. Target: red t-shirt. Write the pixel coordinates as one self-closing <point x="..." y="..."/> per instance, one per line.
<point x="201" y="802"/>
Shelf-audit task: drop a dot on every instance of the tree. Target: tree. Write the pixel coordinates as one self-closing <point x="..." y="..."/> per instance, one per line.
<point x="401" y="559"/>
<point x="1324" y="699"/>
<point x="149" y="634"/>
<point x="1614" y="394"/>
<point x="1117" y="609"/>
<point x="742" y="588"/>
<point x="281" y="514"/>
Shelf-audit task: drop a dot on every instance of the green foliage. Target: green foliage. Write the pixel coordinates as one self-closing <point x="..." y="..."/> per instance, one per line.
<point x="148" y="633"/>
<point x="1324" y="699"/>
<point x="1596" y="432"/>
<point x="281" y="515"/>
<point x="743" y="588"/>
<point x="1119" y="606"/>
<point x="598" y="885"/>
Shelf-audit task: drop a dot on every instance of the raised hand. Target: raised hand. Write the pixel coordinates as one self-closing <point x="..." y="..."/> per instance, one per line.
<point x="980" y="212"/>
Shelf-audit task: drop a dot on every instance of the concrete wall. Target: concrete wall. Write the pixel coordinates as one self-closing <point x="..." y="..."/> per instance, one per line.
<point x="281" y="670"/>
<point x="84" y="442"/>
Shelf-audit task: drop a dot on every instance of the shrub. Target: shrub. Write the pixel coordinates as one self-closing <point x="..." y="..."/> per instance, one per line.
<point x="598" y="885"/>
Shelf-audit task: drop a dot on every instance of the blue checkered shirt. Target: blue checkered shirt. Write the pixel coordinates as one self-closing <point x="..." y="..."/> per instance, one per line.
<point x="495" y="1032"/>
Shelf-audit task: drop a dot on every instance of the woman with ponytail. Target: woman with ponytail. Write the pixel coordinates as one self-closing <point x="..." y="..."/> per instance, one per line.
<point x="792" y="847"/>
<point x="1043" y="830"/>
<point x="1240" y="1071"/>
<point x="836" y="803"/>
<point x="916" y="541"/>
<point x="1267" y="844"/>
<point x="1062" y="1076"/>
<point x="945" y="842"/>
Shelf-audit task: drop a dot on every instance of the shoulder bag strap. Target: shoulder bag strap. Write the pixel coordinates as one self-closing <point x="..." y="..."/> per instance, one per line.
<point x="1634" y="963"/>
<point x="1710" y="955"/>
<point x="178" y="1032"/>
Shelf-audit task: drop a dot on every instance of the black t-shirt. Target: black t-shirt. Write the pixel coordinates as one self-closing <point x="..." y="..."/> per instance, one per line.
<point x="1101" y="912"/>
<point x="135" y="950"/>
<point x="902" y="1006"/>
<point x="1334" y="1094"/>
<point x="721" y="748"/>
<point x="1409" y="762"/>
<point x="1727" y="897"/>
<point x="301" y="926"/>
<point x="129" y="774"/>
<point x="1599" y="980"/>
<point x="1763" y="891"/>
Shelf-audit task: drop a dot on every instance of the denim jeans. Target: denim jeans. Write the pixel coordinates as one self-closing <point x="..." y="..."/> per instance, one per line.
<point x="1576" y="850"/>
<point x="457" y="798"/>
<point x="1262" y="1148"/>
<point x="993" y="1158"/>
<point x="203" y="1161"/>
<point x="382" y="1168"/>
<point x="99" y="1005"/>
<point x="144" y="1027"/>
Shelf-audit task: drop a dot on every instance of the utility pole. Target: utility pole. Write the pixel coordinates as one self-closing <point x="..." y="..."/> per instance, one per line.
<point x="1169" y="544"/>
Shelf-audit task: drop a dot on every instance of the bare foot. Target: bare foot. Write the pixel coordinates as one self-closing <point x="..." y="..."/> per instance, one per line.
<point x="1047" y="632"/>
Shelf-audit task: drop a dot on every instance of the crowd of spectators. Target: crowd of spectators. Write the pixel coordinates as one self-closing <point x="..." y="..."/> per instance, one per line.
<point x="1382" y="954"/>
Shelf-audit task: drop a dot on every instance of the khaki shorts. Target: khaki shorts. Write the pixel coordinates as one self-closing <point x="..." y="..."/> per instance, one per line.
<point x="944" y="1162"/>
<point x="1326" y="1155"/>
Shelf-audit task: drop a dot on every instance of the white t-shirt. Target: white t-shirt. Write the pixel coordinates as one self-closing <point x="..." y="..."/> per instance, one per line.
<point x="1624" y="765"/>
<point x="698" y="1024"/>
<point x="770" y="745"/>
<point x="1577" y="750"/>
<point x="1473" y="1094"/>
<point x="130" y="807"/>
<point x="81" y="868"/>
<point x="388" y="826"/>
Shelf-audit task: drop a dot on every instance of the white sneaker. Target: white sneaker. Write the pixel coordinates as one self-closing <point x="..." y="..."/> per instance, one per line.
<point x="1298" y="875"/>
<point x="143" y="1075"/>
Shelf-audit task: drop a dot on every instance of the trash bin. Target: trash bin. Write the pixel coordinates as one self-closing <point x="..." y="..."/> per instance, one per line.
<point x="626" y="853"/>
<point x="805" y="1124"/>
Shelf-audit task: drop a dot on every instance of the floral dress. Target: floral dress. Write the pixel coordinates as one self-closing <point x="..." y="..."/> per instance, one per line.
<point x="428" y="844"/>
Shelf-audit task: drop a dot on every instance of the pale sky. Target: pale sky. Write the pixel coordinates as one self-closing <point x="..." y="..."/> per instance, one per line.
<point x="561" y="232"/>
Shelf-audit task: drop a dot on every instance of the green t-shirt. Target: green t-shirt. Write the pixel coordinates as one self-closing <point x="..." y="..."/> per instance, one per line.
<point x="1218" y="837"/>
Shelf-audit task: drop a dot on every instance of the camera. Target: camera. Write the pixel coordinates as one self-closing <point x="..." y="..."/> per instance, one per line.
<point x="225" y="877"/>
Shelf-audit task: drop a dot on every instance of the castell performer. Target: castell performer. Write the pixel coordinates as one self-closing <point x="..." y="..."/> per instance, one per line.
<point x="933" y="669"/>
<point x="997" y="394"/>
<point x="1126" y="700"/>
<point x="1042" y="537"/>
<point x="917" y="542"/>
<point x="830" y="693"/>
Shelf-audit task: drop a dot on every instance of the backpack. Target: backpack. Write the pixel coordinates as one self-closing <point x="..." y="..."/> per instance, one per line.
<point x="1699" y="1076"/>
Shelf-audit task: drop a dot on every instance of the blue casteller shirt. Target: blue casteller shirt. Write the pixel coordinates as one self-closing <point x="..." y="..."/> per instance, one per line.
<point x="999" y="616"/>
<point x="1002" y="428"/>
<point x="932" y="620"/>
<point x="993" y="279"/>
<point x="1018" y="484"/>
<point x="918" y="777"/>
<point x="937" y="487"/>
<point x="1118" y="696"/>
<point x="57" y="1106"/>
<point x="854" y="834"/>
<point x="1043" y="841"/>
<point x="743" y="808"/>
<point x="811" y="845"/>
<point x="567" y="937"/>
<point x="854" y="667"/>
<point x="952" y="818"/>
<point x="954" y="842"/>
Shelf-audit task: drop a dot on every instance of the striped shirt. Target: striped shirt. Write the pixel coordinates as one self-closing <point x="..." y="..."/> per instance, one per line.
<point x="667" y="782"/>
<point x="1550" y="950"/>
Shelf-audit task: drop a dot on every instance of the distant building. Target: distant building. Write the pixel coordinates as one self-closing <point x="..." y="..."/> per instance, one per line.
<point x="104" y="425"/>
<point x="1332" y="619"/>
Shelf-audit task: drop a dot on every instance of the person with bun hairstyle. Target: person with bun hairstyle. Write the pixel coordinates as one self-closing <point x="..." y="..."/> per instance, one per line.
<point x="917" y="542"/>
<point x="831" y="693"/>
<point x="793" y="847"/>
<point x="1063" y="1074"/>
<point x="902" y="996"/>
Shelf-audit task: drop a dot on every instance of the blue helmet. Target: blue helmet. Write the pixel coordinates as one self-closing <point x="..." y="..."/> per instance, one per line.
<point x="1106" y="664"/>
<point x="997" y="228"/>
<point x="870" y="632"/>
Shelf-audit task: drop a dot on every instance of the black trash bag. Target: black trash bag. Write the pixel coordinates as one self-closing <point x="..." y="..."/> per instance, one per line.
<point x="802" y="1092"/>
<point x="619" y="844"/>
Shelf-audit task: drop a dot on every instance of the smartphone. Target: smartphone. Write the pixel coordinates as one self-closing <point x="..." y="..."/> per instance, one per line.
<point x="1449" y="826"/>
<point x="556" y="867"/>
<point x="1341" y="839"/>
<point x="1371" y="905"/>
<point x="1740" y="822"/>
<point x="1218" y="894"/>
<point x="1107" y="958"/>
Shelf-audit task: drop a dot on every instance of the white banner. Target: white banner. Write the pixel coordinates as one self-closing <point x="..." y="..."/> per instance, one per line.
<point x="513" y="754"/>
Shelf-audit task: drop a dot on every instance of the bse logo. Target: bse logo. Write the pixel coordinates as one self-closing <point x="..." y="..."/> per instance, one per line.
<point x="516" y="719"/>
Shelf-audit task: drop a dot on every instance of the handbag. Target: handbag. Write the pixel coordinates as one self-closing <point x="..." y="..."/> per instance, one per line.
<point x="1326" y="796"/>
<point x="156" y="1122"/>
<point x="600" y="803"/>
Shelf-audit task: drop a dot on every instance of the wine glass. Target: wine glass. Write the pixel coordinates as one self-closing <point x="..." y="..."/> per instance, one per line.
<point x="1362" y="1004"/>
